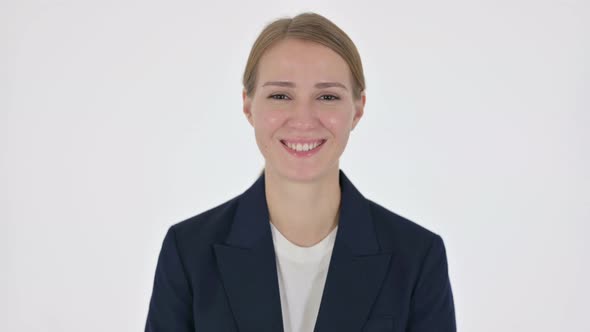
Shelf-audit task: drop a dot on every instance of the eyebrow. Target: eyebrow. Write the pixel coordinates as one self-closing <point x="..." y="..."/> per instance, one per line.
<point x="320" y="85"/>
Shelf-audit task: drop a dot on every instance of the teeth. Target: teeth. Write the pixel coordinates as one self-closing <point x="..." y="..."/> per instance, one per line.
<point x="303" y="147"/>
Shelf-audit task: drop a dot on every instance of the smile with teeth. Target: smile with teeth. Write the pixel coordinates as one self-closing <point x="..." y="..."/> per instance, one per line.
<point x="303" y="147"/>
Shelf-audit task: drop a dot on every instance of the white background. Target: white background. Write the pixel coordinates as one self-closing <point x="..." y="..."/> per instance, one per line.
<point x="121" y="118"/>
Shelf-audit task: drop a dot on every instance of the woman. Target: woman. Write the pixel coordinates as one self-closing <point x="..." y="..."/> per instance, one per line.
<point x="301" y="249"/>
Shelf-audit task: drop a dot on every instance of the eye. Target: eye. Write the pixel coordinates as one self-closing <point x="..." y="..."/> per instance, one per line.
<point x="278" y="96"/>
<point x="330" y="97"/>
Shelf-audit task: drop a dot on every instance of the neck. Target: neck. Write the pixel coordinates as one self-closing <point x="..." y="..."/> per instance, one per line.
<point x="304" y="212"/>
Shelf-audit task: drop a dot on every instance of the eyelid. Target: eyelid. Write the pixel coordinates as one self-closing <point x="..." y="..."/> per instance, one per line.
<point x="335" y="97"/>
<point x="278" y="94"/>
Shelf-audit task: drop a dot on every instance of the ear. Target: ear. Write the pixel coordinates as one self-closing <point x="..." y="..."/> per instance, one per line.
<point x="247" y="104"/>
<point x="359" y="109"/>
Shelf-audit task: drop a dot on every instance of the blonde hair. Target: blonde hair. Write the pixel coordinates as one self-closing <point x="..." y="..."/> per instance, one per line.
<point x="311" y="27"/>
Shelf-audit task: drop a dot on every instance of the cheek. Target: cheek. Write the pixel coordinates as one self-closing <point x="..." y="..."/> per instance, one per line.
<point x="266" y="124"/>
<point x="273" y="120"/>
<point x="269" y="122"/>
<point x="267" y="119"/>
<point x="338" y="122"/>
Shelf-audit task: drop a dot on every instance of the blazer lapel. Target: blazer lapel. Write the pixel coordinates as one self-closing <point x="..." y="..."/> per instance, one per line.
<point x="247" y="265"/>
<point x="357" y="266"/>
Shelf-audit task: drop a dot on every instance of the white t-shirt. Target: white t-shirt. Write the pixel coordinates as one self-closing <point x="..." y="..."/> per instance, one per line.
<point x="302" y="274"/>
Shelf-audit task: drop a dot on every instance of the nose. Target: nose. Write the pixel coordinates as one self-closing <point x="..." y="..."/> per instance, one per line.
<point x="303" y="116"/>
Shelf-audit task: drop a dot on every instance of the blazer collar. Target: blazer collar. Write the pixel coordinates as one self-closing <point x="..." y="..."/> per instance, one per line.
<point x="247" y="264"/>
<point x="251" y="221"/>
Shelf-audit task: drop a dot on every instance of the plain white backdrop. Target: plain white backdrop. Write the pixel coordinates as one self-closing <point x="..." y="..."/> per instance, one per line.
<point x="121" y="118"/>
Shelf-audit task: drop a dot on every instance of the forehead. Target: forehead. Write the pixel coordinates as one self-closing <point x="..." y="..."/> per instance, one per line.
<point x="302" y="60"/>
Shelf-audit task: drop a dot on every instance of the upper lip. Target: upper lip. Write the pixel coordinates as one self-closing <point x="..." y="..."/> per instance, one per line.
<point x="301" y="140"/>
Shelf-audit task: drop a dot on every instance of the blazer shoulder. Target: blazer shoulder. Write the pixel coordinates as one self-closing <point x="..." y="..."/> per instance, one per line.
<point x="208" y="226"/>
<point x="398" y="232"/>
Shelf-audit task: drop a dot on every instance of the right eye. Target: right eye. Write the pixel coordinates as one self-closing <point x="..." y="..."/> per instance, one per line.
<point x="278" y="96"/>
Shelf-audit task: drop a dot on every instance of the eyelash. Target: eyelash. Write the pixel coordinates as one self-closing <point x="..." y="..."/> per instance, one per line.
<point x="282" y="94"/>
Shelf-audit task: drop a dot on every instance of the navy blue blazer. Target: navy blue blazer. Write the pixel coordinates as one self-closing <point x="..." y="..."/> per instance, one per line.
<point x="216" y="272"/>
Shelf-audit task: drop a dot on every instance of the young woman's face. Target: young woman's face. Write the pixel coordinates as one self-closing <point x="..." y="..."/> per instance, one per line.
<point x="303" y="96"/>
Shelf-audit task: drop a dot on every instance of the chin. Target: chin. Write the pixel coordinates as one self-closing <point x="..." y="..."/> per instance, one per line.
<point x="301" y="174"/>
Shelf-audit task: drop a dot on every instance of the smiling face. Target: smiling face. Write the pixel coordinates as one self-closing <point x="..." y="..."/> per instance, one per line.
<point x="303" y="97"/>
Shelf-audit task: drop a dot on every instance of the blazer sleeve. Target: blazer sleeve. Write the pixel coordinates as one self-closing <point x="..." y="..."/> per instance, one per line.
<point x="432" y="307"/>
<point x="170" y="307"/>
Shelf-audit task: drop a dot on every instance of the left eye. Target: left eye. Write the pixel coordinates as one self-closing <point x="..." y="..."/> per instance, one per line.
<point x="278" y="96"/>
<point x="330" y="97"/>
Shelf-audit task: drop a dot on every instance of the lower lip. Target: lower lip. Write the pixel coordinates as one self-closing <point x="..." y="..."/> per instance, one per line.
<point x="303" y="154"/>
